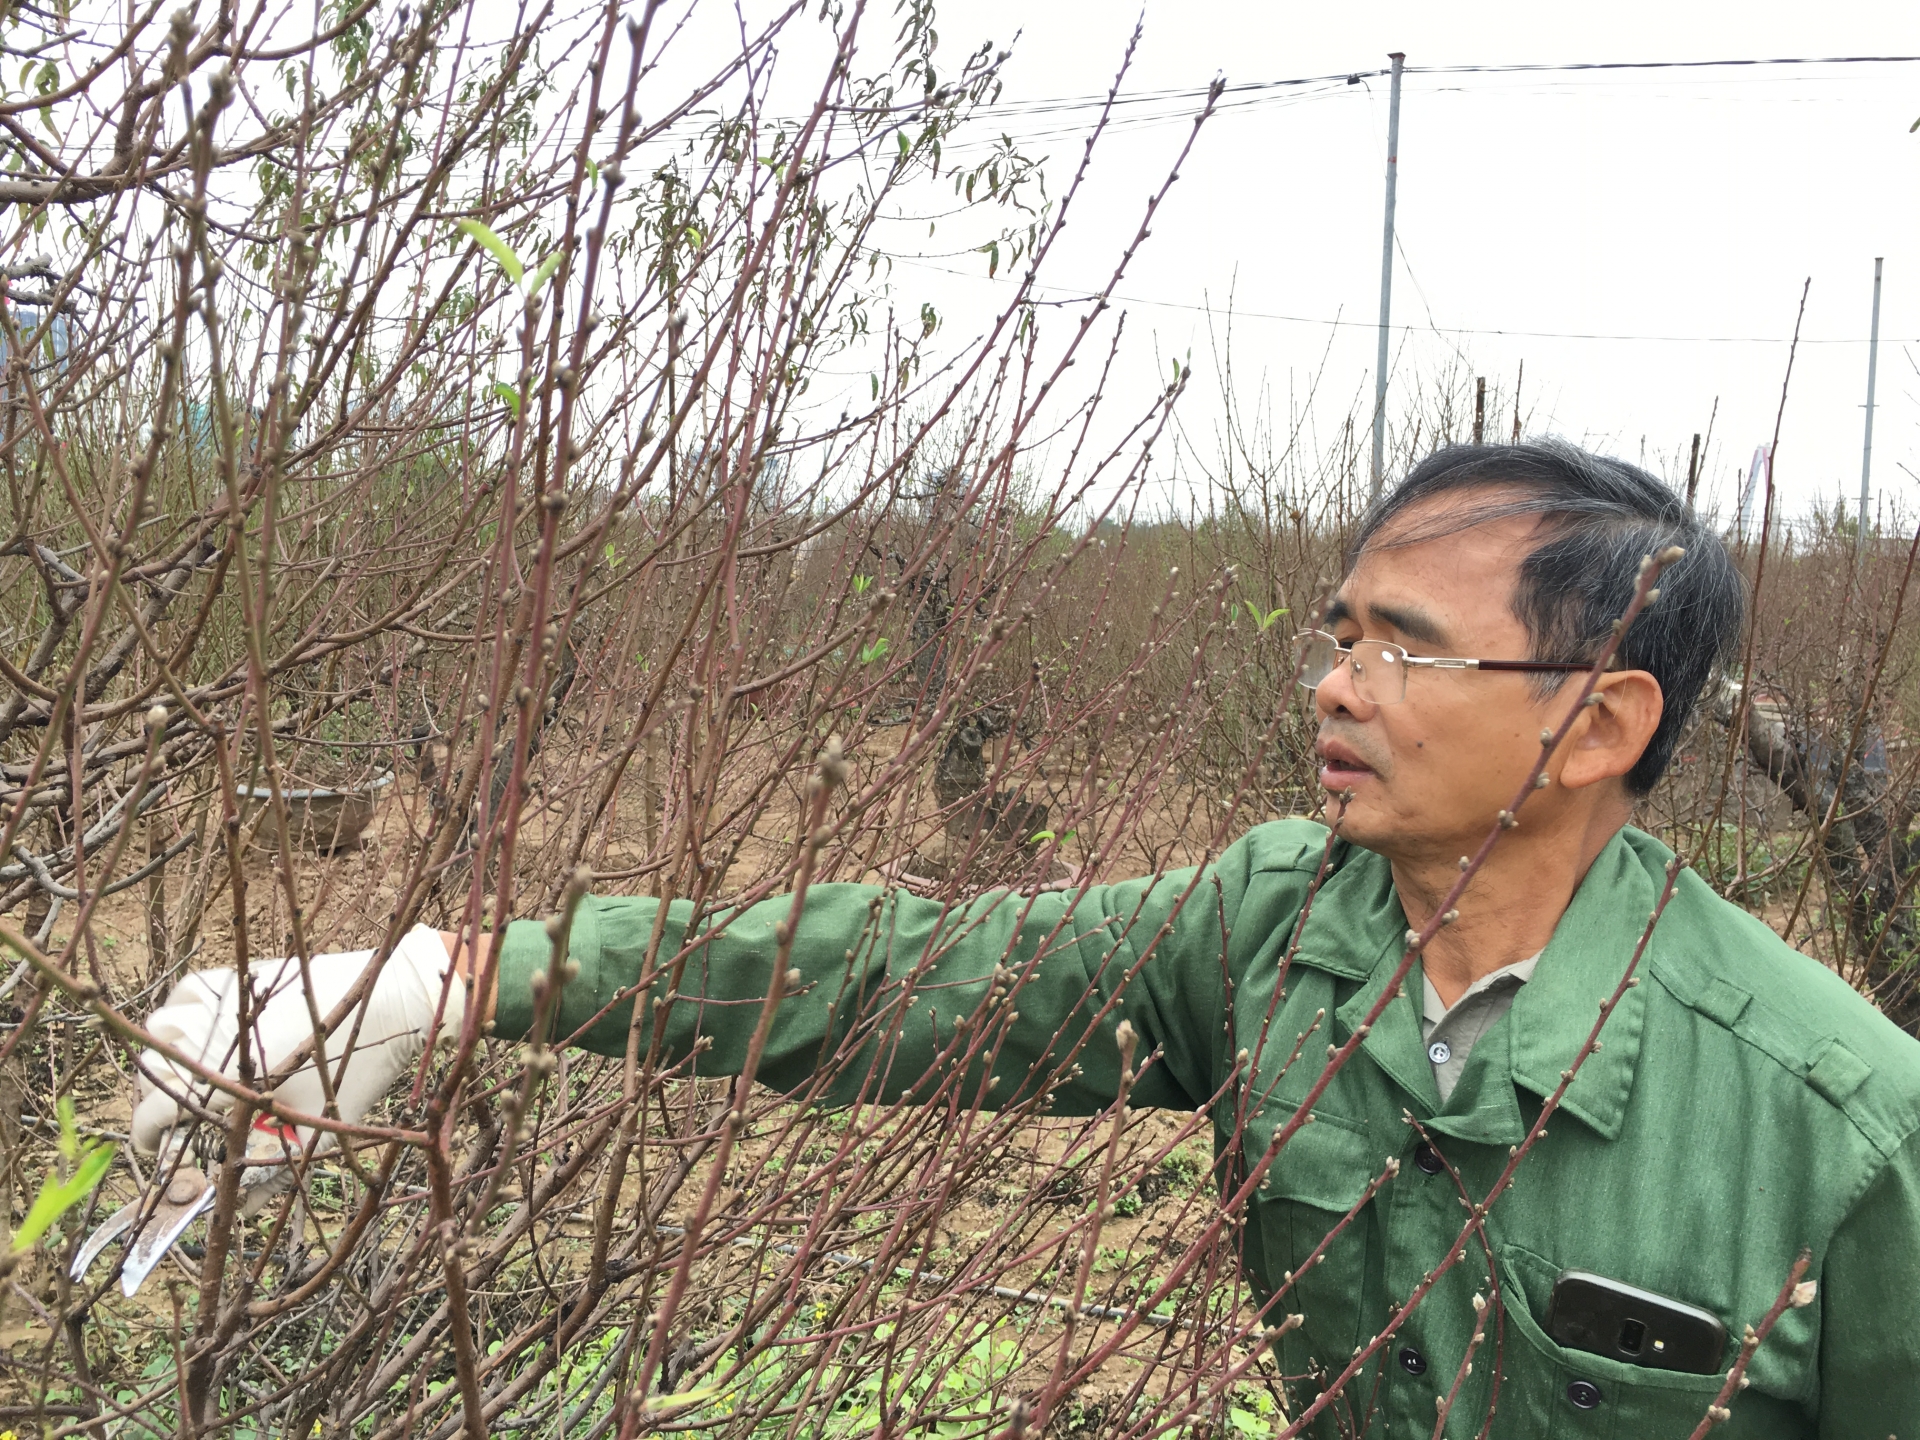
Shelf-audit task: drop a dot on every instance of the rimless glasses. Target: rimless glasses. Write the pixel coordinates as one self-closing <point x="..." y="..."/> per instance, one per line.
<point x="1380" y="667"/>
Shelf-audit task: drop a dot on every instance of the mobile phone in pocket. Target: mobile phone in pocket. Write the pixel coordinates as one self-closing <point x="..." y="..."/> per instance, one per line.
<point x="1636" y="1327"/>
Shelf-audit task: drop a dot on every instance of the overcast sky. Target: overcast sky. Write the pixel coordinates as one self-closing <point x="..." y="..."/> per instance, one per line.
<point x="1683" y="209"/>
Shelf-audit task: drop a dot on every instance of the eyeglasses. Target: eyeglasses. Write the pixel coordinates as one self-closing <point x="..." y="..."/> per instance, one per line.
<point x="1380" y="668"/>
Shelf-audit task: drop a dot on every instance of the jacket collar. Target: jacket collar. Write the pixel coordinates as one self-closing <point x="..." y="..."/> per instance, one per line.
<point x="1358" y="930"/>
<point x="1555" y="1011"/>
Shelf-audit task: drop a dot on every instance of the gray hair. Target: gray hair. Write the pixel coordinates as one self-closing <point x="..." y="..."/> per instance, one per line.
<point x="1598" y="517"/>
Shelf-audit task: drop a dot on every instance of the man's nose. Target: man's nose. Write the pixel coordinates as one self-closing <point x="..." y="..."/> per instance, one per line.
<point x="1336" y="695"/>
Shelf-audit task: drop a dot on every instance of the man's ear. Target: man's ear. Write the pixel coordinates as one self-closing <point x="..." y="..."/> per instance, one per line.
<point x="1612" y="730"/>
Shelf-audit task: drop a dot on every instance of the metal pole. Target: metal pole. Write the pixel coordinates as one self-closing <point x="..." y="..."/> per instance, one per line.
<point x="1866" y="449"/>
<point x="1386" y="281"/>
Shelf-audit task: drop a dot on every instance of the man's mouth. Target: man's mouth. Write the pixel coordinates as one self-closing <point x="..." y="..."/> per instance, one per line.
<point x="1341" y="767"/>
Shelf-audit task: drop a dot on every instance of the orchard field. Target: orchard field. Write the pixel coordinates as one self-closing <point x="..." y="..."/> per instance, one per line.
<point x="425" y="509"/>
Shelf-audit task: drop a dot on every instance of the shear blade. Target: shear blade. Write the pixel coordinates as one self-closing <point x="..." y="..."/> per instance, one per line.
<point x="186" y="1196"/>
<point x="110" y="1229"/>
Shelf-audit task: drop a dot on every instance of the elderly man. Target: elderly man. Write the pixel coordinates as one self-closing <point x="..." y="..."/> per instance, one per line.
<point x="1745" y="1102"/>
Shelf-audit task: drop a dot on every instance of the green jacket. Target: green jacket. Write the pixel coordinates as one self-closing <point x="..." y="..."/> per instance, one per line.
<point x="1745" y="1102"/>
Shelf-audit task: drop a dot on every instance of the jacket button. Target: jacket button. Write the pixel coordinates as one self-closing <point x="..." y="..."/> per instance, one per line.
<point x="1413" y="1362"/>
<point x="1428" y="1158"/>
<point x="1584" y="1394"/>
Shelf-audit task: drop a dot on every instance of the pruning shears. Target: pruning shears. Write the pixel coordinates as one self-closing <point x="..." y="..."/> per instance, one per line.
<point x="161" y="1216"/>
<point x="157" y="1219"/>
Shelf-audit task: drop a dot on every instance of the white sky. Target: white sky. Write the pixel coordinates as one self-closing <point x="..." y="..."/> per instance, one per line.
<point x="1661" y="204"/>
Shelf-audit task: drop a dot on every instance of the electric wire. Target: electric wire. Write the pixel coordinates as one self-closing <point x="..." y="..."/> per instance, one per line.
<point x="1043" y="105"/>
<point x="1134" y="109"/>
<point x="1062" y="295"/>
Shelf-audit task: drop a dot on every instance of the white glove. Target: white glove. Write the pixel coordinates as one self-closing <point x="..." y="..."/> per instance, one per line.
<point x="202" y="1019"/>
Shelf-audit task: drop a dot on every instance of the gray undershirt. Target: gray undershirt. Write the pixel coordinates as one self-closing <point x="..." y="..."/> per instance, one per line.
<point x="1450" y="1033"/>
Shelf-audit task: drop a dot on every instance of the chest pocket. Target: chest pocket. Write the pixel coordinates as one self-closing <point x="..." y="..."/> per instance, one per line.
<point x="1548" y="1392"/>
<point x="1316" y="1179"/>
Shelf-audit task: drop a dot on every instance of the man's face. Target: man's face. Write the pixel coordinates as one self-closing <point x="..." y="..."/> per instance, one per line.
<point x="1430" y="774"/>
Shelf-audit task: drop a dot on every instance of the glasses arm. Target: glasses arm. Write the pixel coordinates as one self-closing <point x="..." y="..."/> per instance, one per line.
<point x="1441" y="662"/>
<point x="1438" y="662"/>
<point x="1532" y="665"/>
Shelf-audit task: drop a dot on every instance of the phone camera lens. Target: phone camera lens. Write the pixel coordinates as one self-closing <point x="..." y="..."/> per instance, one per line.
<point x="1633" y="1337"/>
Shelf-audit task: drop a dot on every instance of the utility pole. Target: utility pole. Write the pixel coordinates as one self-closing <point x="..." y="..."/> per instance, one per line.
<point x="1866" y="449"/>
<point x="1386" y="281"/>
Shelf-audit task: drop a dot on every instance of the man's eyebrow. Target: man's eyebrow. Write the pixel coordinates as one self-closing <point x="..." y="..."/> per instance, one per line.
<point x="1414" y="624"/>
<point x="1337" y="610"/>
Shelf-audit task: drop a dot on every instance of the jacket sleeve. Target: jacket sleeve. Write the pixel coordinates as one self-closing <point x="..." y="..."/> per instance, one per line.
<point x="1869" y="1340"/>
<point x="898" y="994"/>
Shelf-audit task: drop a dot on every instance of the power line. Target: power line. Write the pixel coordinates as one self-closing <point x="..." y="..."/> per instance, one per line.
<point x="1134" y="109"/>
<point x="1148" y="109"/>
<point x="1055" y="103"/>
<point x="1064" y="296"/>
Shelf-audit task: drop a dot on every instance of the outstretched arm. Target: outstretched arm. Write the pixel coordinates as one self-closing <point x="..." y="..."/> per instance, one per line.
<point x="894" y="995"/>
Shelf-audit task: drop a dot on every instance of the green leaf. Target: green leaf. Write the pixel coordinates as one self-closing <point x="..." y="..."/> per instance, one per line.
<point x="1265" y="622"/>
<point x="509" y="395"/>
<point x="57" y="1196"/>
<point x="541" y="276"/>
<point x="501" y="251"/>
<point x="69" y="1129"/>
<point x="657" y="1404"/>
